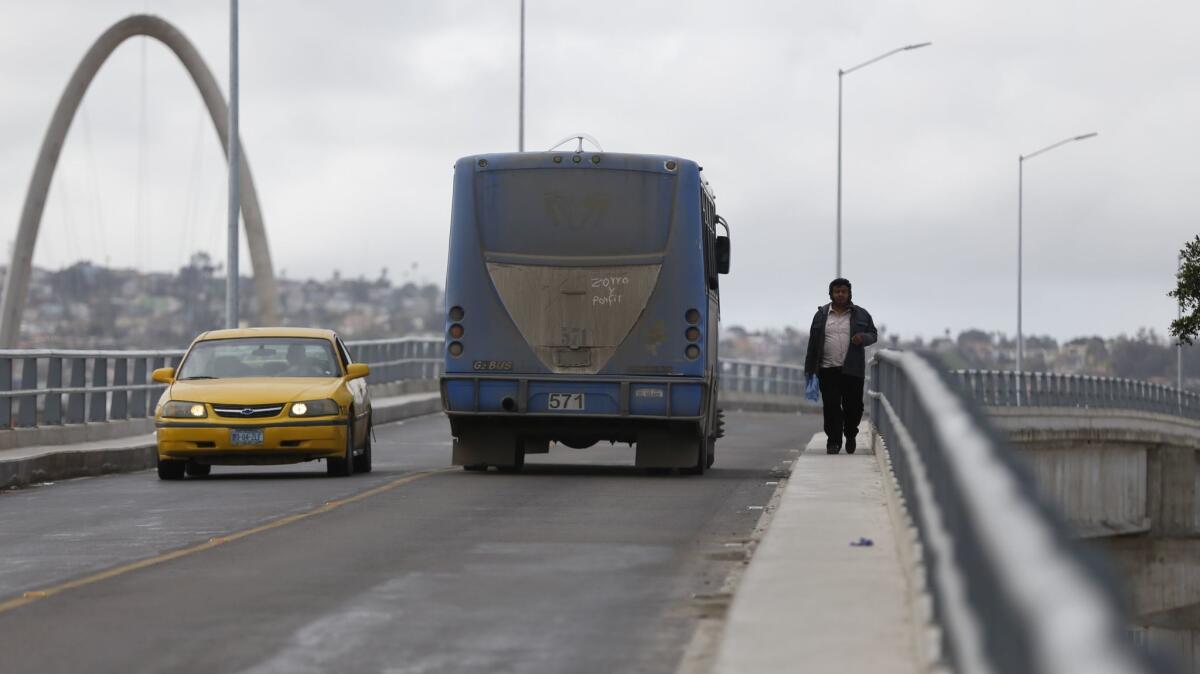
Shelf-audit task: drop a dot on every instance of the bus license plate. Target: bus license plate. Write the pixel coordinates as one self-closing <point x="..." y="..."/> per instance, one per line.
<point x="249" y="436"/>
<point x="566" y="401"/>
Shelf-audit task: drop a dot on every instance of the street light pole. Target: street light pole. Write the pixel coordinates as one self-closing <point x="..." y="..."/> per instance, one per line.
<point x="521" y="88"/>
<point x="841" y="75"/>
<point x="1020" y="248"/>
<point x="235" y="196"/>
<point x="1179" y="344"/>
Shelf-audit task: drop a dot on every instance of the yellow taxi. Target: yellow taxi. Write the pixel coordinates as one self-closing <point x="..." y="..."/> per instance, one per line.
<point x="262" y="396"/>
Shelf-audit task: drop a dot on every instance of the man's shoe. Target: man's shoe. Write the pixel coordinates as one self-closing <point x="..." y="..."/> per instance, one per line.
<point x="831" y="448"/>
<point x="850" y="444"/>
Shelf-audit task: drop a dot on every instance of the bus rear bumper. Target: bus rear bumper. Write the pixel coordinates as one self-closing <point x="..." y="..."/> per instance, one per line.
<point x="675" y="398"/>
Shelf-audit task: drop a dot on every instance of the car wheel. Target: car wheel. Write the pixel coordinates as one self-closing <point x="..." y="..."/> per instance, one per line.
<point x="476" y="467"/>
<point x="362" y="462"/>
<point x="197" y="469"/>
<point x="343" y="467"/>
<point x="170" y="469"/>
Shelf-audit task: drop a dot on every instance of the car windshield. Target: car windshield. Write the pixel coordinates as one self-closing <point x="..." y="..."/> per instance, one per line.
<point x="260" y="357"/>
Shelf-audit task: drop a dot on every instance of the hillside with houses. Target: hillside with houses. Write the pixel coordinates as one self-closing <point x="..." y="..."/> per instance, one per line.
<point x="87" y="306"/>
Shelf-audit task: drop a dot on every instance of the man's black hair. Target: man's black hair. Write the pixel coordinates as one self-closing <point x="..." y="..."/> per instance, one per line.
<point x="840" y="282"/>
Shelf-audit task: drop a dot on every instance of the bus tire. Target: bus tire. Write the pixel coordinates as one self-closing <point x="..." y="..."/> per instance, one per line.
<point x="701" y="459"/>
<point x="712" y="453"/>
<point x="517" y="464"/>
<point x="487" y="447"/>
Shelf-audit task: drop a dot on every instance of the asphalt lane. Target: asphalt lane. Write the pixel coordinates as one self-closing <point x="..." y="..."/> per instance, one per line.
<point x="578" y="564"/>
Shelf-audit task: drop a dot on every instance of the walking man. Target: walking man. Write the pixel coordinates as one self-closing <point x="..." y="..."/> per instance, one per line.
<point x="837" y="355"/>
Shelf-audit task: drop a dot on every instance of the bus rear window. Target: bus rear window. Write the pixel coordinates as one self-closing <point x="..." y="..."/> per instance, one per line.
<point x="573" y="212"/>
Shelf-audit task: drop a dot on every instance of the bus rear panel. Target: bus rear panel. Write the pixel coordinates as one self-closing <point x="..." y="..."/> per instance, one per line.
<point x="582" y="307"/>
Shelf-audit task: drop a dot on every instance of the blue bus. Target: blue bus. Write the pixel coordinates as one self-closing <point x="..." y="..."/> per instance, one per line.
<point x="583" y="301"/>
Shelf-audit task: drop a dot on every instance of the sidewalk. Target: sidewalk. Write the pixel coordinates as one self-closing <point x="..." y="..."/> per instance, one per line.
<point x="811" y="601"/>
<point x="47" y="463"/>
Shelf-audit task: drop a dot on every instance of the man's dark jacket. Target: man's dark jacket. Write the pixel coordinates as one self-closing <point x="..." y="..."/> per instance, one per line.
<point x="856" y="356"/>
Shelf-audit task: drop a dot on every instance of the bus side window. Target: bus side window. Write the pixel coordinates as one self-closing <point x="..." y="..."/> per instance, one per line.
<point x="708" y="228"/>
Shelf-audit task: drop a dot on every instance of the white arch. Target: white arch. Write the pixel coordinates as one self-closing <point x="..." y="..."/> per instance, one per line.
<point x="16" y="287"/>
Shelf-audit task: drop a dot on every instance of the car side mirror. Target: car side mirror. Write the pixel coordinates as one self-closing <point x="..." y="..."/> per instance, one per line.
<point x="164" y="375"/>
<point x="357" y="371"/>
<point x="722" y="254"/>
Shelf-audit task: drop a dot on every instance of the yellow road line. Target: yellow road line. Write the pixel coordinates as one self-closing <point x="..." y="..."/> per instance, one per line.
<point x="34" y="595"/>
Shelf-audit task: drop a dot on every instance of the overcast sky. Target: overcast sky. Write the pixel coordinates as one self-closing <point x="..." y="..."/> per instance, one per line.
<point x="353" y="113"/>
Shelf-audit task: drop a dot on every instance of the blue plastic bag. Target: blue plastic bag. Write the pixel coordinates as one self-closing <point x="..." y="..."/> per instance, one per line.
<point x="812" y="391"/>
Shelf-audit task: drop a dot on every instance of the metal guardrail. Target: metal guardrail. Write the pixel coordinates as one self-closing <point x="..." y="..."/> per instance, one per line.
<point x="1011" y="591"/>
<point x="1047" y="389"/>
<point x="399" y="359"/>
<point x="111" y="385"/>
<point x="772" y="379"/>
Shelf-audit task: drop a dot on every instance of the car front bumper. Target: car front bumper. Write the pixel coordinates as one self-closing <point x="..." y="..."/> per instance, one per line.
<point x="283" y="442"/>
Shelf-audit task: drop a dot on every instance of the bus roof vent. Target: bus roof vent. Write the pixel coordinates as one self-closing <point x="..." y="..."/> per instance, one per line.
<point x="580" y="137"/>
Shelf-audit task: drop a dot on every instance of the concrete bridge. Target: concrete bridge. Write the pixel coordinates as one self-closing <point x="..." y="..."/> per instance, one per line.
<point x="965" y="568"/>
<point x="1122" y="469"/>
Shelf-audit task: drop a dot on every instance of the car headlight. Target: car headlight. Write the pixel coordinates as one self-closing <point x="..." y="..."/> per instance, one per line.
<point x="182" y="409"/>
<point x="314" y="408"/>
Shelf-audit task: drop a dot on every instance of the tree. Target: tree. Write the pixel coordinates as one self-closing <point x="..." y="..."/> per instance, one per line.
<point x="1187" y="293"/>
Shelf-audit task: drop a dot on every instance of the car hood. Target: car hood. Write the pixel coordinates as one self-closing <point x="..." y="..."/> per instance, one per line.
<point x="255" y="390"/>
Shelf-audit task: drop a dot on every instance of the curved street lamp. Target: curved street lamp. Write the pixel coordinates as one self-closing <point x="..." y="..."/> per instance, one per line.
<point x="1020" y="245"/>
<point x="841" y="74"/>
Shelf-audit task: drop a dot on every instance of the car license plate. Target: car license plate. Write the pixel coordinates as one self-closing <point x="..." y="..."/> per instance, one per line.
<point x="566" y="401"/>
<point x="248" y="436"/>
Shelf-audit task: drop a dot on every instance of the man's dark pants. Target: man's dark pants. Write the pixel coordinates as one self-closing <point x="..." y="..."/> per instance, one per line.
<point x="842" y="398"/>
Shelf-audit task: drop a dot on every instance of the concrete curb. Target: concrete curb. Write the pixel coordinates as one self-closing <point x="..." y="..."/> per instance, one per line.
<point x="50" y="463"/>
<point x="139" y="453"/>
<point x="825" y="590"/>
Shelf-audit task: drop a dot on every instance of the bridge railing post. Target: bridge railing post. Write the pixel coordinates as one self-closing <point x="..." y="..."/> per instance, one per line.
<point x="52" y="408"/>
<point x="75" y="399"/>
<point x="155" y="363"/>
<point x="6" y="372"/>
<point x="98" y="401"/>
<point x="27" y="404"/>
<point x="119" y="408"/>
<point x="137" y="400"/>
